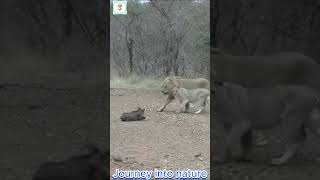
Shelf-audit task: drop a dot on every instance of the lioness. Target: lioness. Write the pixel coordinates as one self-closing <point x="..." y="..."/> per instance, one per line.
<point x="239" y="110"/>
<point x="265" y="71"/>
<point x="185" y="96"/>
<point x="170" y="82"/>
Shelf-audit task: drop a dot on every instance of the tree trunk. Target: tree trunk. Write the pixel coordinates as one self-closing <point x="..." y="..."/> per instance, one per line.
<point x="130" y="51"/>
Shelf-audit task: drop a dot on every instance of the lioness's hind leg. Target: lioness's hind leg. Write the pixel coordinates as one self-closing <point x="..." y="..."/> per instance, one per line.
<point x="183" y="107"/>
<point x="290" y="152"/>
<point x="200" y="110"/>
<point x="234" y="139"/>
<point x="201" y="104"/>
<point x="295" y="134"/>
<point x="191" y="105"/>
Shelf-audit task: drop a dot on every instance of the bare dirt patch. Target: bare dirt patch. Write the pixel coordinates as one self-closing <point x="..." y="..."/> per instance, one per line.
<point x="164" y="140"/>
<point x="47" y="121"/>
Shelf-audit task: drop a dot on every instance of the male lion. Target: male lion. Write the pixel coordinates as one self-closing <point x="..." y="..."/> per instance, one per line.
<point x="187" y="96"/>
<point x="170" y="82"/>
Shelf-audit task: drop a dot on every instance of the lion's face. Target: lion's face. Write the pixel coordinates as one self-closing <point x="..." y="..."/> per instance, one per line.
<point x="174" y="91"/>
<point x="167" y="86"/>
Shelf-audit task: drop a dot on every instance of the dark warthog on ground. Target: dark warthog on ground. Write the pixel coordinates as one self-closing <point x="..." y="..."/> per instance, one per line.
<point x="136" y="115"/>
<point x="239" y="110"/>
<point x="91" y="166"/>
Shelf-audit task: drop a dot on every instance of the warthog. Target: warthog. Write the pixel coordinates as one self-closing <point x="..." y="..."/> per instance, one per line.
<point x="239" y="110"/>
<point x="86" y="167"/>
<point x="136" y="115"/>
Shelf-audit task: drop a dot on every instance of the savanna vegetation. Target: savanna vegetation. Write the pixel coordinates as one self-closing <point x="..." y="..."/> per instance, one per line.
<point x="157" y="39"/>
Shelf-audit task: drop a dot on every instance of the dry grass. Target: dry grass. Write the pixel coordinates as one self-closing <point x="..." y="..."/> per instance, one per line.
<point x="134" y="82"/>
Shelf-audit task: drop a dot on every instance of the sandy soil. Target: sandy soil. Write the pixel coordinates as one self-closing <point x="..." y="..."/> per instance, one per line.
<point x="165" y="140"/>
<point x="47" y="120"/>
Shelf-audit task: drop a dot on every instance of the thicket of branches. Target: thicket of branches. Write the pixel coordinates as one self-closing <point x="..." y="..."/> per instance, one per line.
<point x="156" y="38"/>
<point x="160" y="38"/>
<point x="70" y="35"/>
